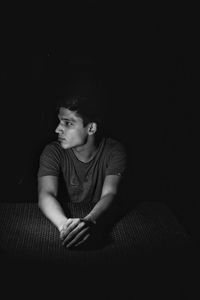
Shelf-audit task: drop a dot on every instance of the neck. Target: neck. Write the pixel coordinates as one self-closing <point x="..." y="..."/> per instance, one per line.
<point x="86" y="152"/>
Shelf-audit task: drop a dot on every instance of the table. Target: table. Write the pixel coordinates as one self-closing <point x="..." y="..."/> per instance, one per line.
<point x="146" y="234"/>
<point x="26" y="233"/>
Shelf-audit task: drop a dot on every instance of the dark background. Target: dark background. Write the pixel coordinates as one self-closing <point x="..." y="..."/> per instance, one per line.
<point x="140" y="61"/>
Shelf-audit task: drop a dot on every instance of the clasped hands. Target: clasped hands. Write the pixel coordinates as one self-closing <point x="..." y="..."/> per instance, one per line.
<point x="76" y="231"/>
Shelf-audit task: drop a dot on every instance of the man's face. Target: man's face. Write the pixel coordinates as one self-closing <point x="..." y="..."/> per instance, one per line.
<point x="71" y="132"/>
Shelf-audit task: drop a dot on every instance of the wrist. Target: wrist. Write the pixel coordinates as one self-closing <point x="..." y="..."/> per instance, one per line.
<point x="62" y="224"/>
<point x="90" y="218"/>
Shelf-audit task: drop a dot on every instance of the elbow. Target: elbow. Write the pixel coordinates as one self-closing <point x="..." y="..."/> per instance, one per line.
<point x="41" y="199"/>
<point x="109" y="195"/>
<point x="44" y="197"/>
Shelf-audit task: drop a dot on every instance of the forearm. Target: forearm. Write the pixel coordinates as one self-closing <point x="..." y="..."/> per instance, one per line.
<point x="102" y="208"/>
<point x="51" y="208"/>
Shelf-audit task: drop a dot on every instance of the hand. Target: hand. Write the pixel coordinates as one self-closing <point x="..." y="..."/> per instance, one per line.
<point x="76" y="231"/>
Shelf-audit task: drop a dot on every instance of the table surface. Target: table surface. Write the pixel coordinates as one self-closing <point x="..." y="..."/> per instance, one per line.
<point x="26" y="233"/>
<point x="145" y="253"/>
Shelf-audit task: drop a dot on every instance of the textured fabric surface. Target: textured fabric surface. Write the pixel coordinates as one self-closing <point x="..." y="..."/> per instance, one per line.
<point x="148" y="256"/>
<point x="25" y="233"/>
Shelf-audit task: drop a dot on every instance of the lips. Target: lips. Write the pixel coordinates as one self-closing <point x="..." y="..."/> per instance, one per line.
<point x="60" y="138"/>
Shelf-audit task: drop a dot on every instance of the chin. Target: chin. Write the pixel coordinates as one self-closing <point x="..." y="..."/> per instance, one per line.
<point x="64" y="145"/>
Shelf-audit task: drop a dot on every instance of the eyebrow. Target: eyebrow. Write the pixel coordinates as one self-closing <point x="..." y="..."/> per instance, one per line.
<point x="66" y="119"/>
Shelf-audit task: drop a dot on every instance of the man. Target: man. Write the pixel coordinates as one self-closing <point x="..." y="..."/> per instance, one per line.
<point x="92" y="167"/>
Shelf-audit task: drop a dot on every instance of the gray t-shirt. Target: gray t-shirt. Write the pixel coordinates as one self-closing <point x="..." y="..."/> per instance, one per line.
<point x="84" y="181"/>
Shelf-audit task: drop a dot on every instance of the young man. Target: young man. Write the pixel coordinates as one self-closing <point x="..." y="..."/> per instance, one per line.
<point x="92" y="167"/>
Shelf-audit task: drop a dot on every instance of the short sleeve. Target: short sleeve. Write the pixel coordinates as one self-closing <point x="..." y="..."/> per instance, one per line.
<point x="50" y="161"/>
<point x="117" y="161"/>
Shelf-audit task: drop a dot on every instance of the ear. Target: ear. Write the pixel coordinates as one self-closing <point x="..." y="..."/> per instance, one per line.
<point x="92" y="128"/>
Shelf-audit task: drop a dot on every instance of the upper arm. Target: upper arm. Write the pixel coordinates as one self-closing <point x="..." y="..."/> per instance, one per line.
<point x="111" y="184"/>
<point x="48" y="184"/>
<point x="116" y="160"/>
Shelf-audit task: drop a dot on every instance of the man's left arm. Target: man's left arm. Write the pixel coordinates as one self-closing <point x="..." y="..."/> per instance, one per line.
<point x="101" y="214"/>
<point x="107" y="199"/>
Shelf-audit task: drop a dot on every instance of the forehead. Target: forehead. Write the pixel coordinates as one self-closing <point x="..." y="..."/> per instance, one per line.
<point x="65" y="113"/>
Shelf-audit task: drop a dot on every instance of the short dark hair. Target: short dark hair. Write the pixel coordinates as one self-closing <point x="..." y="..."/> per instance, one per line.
<point x="85" y="107"/>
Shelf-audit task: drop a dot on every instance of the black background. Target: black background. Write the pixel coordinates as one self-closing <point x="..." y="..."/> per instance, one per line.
<point x="142" y="63"/>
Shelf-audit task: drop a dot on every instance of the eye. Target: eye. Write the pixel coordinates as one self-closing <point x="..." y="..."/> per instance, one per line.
<point x="67" y="123"/>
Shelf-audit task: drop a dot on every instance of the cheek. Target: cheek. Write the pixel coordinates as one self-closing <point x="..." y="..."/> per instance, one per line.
<point x="81" y="136"/>
<point x="75" y="135"/>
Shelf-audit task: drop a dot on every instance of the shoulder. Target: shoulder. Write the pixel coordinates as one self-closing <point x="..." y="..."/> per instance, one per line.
<point x="114" y="149"/>
<point x="116" y="158"/>
<point x="53" y="148"/>
<point x="112" y="145"/>
<point x="54" y="145"/>
<point x="50" y="160"/>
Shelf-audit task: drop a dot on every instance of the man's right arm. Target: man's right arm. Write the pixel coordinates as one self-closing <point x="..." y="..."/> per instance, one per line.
<point x="47" y="200"/>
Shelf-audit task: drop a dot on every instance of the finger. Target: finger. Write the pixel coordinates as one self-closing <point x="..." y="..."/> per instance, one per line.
<point x="63" y="229"/>
<point x="89" y="222"/>
<point x="71" y="227"/>
<point x="83" y="240"/>
<point x="74" y="235"/>
<point x="78" y="237"/>
<point x="73" y="232"/>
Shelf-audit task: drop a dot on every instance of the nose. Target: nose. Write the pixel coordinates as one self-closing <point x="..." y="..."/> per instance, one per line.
<point x="59" y="129"/>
